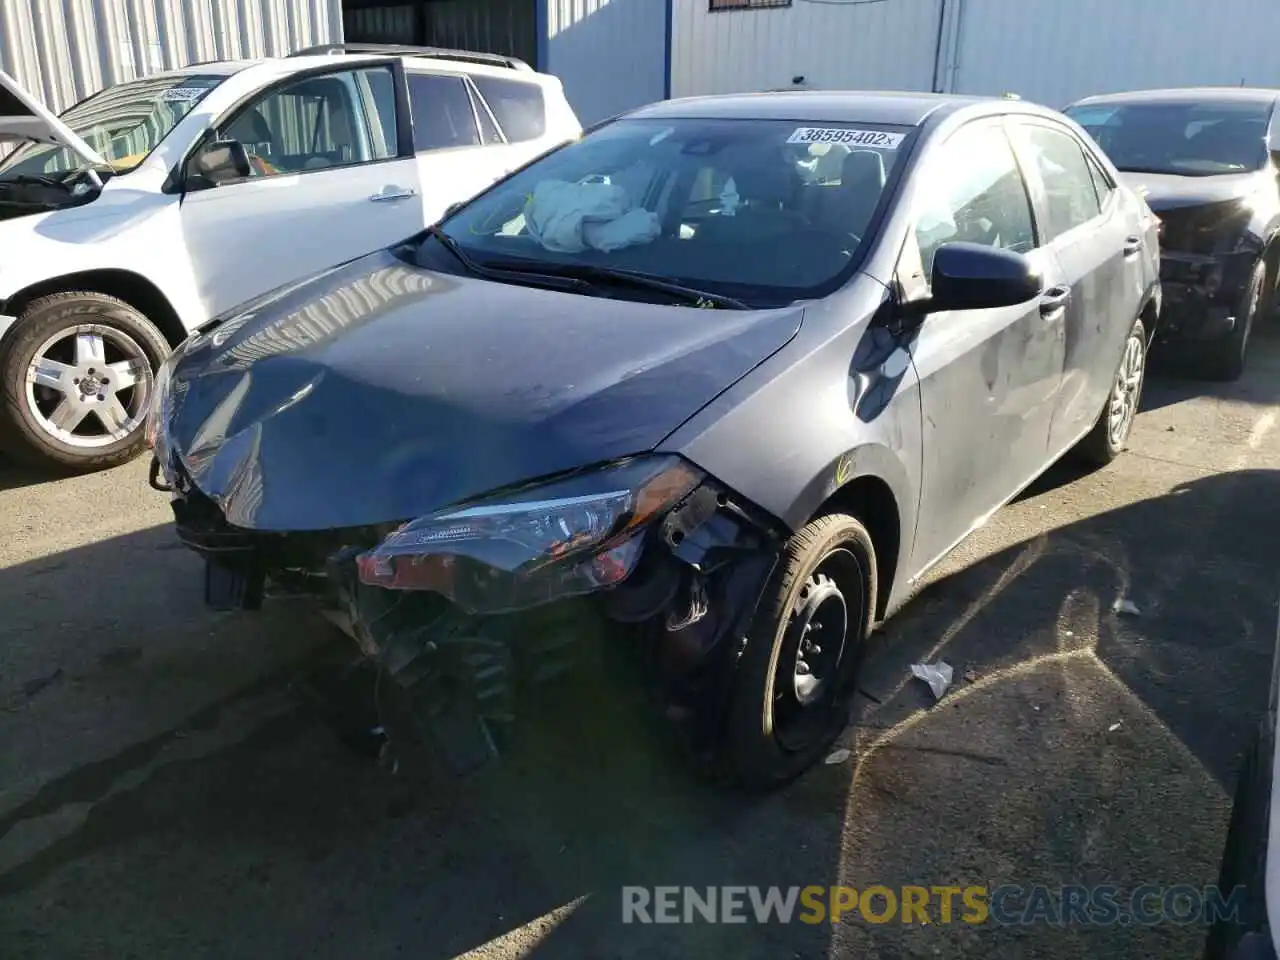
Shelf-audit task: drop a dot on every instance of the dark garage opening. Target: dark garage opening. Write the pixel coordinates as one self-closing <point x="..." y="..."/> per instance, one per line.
<point x="508" y="27"/>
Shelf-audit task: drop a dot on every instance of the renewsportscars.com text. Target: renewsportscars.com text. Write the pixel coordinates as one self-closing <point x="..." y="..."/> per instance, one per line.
<point x="1011" y="904"/>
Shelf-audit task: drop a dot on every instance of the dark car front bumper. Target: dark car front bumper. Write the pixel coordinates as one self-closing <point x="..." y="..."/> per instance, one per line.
<point x="1202" y="295"/>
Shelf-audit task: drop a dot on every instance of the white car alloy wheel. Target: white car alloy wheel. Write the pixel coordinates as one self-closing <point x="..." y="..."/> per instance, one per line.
<point x="89" y="385"/>
<point x="1127" y="391"/>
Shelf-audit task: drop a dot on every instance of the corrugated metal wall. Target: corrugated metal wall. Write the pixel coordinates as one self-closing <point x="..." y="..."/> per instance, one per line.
<point x="833" y="45"/>
<point x="1056" y="51"/>
<point x="609" y="54"/>
<point x="64" y="50"/>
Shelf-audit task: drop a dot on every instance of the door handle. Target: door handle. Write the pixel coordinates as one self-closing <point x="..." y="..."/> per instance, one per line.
<point x="393" y="193"/>
<point x="1132" y="245"/>
<point x="1054" y="300"/>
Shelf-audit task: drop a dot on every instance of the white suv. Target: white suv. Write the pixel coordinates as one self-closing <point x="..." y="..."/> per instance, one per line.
<point x="156" y="204"/>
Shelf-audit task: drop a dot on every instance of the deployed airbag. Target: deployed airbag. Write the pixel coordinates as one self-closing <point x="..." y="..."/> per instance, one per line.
<point x="572" y="217"/>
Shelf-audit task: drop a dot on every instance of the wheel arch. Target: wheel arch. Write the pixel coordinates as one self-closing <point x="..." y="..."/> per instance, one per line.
<point x="852" y="485"/>
<point x="133" y="288"/>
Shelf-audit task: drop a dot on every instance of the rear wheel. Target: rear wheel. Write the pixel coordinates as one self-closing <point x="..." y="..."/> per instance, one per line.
<point x="1226" y="358"/>
<point x="77" y="376"/>
<point x="1107" y="439"/>
<point x="792" y="687"/>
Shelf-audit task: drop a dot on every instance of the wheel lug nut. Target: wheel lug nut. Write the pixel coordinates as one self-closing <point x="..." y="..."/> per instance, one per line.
<point x="102" y="396"/>
<point x="802" y="669"/>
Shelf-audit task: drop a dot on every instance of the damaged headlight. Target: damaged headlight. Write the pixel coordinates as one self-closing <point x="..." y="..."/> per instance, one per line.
<point x="547" y="542"/>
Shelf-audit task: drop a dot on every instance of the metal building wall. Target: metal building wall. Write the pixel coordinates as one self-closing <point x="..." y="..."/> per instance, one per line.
<point x="1056" y="51"/>
<point x="64" y="50"/>
<point x="832" y="44"/>
<point x="611" y="55"/>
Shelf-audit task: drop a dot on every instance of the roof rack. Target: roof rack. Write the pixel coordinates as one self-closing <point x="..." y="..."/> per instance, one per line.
<point x="403" y="50"/>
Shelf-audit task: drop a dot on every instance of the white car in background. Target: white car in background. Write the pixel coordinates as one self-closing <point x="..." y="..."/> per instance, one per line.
<point x="157" y="204"/>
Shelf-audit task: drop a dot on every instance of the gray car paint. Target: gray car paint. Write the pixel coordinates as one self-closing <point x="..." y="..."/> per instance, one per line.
<point x="948" y="444"/>
<point x="949" y="416"/>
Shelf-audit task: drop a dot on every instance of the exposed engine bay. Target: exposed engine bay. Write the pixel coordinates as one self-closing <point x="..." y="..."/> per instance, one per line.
<point x="459" y="677"/>
<point x="22" y="196"/>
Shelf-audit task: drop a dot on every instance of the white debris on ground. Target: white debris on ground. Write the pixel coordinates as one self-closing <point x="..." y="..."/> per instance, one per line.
<point x="936" y="675"/>
<point x="1126" y="608"/>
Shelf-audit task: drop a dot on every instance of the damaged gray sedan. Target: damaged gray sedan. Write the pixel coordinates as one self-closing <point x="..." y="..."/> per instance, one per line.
<point x="715" y="384"/>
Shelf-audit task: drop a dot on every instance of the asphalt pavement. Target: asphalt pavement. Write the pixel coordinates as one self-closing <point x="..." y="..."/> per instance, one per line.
<point x="165" y="791"/>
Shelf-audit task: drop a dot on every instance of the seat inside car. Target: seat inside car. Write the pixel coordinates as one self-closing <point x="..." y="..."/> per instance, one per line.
<point x="862" y="180"/>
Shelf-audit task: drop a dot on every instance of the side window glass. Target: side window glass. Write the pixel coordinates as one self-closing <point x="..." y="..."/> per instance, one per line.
<point x="1070" y="197"/>
<point x="489" y="133"/>
<point x="442" y="112"/>
<point x="1101" y="185"/>
<point x="519" y="106"/>
<point x="379" y="89"/>
<point x="974" y="192"/>
<point x="310" y="124"/>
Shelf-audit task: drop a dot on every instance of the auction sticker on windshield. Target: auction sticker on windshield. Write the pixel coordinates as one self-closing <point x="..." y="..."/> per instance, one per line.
<point x="862" y="138"/>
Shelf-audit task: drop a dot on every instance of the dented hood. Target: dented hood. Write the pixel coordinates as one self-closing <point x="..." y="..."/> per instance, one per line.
<point x="23" y="117"/>
<point x="1167" y="191"/>
<point x="381" y="391"/>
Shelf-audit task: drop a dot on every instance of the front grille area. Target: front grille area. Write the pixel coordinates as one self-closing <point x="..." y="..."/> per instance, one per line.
<point x="1203" y="229"/>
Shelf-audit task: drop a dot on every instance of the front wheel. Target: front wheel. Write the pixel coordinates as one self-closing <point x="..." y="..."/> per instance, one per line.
<point x="793" y="683"/>
<point x="77" y="374"/>
<point x="1110" y="433"/>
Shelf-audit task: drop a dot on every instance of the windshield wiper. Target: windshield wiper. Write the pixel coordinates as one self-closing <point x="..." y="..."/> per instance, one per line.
<point x="500" y="273"/>
<point x="596" y="275"/>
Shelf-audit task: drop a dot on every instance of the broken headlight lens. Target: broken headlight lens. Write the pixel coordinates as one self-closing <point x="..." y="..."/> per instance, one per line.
<point x="159" y="404"/>
<point x="534" y="545"/>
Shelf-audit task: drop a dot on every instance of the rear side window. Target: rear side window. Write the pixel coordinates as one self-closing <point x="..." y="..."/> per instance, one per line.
<point x="1070" y="196"/>
<point x="442" y="114"/>
<point x="519" y="106"/>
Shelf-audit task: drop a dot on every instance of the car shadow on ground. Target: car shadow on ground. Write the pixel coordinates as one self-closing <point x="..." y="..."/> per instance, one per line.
<point x="1076" y="745"/>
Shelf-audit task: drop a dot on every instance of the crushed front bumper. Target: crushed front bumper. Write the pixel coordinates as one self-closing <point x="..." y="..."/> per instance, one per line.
<point x="457" y="679"/>
<point x="1202" y="295"/>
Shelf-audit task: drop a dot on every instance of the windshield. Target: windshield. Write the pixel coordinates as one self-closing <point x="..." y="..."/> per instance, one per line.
<point x="1190" y="139"/>
<point x="123" y="123"/>
<point x="766" y="211"/>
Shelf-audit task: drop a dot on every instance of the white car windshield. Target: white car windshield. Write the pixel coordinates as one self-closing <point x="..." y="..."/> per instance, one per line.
<point x="123" y="123"/>
<point x="762" y="210"/>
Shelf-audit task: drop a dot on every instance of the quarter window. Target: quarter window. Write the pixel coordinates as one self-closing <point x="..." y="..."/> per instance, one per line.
<point x="974" y="193"/>
<point x="442" y="112"/>
<point x="1101" y="183"/>
<point x="519" y="106"/>
<point x="1070" y="196"/>
<point x="316" y="122"/>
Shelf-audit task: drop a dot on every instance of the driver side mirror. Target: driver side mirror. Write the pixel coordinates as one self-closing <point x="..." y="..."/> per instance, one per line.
<point x="220" y="161"/>
<point x="973" y="276"/>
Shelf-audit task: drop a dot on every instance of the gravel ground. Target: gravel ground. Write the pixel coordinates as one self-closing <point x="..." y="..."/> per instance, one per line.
<point x="163" y="793"/>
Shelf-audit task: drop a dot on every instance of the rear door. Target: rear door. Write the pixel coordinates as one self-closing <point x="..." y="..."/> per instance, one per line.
<point x="989" y="379"/>
<point x="459" y="149"/>
<point x="1097" y="240"/>
<point x="333" y="177"/>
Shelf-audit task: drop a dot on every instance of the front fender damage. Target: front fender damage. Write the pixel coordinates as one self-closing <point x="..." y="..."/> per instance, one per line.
<point x="457" y="681"/>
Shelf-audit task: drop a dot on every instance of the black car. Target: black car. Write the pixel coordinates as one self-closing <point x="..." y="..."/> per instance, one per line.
<point x="1205" y="159"/>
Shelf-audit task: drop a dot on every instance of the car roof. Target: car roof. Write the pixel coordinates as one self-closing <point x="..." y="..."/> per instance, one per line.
<point x="298" y="63"/>
<point x="813" y="106"/>
<point x="1259" y="95"/>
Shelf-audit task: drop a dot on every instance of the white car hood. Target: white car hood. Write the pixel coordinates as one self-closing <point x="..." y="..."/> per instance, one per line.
<point x="23" y="117"/>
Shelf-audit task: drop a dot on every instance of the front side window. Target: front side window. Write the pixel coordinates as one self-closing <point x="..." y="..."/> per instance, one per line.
<point x="123" y="123"/>
<point x="442" y="113"/>
<point x="764" y="210"/>
<point x="973" y="192"/>
<point x="1183" y="138"/>
<point x="1071" y="198"/>
<point x="316" y="122"/>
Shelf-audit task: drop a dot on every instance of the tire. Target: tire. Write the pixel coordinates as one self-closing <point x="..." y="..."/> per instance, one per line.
<point x="1225" y="360"/>
<point x="1107" y="439"/>
<point x="758" y="750"/>
<point x="75" y="332"/>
